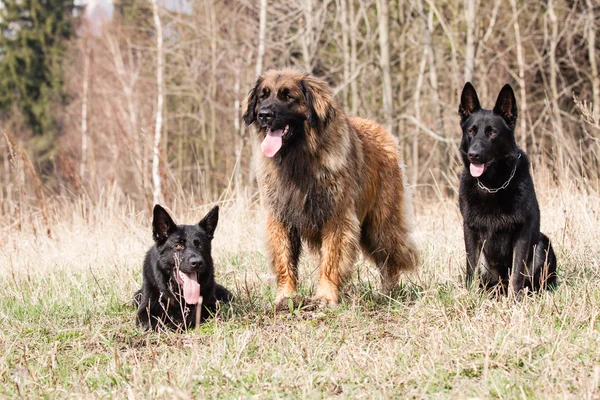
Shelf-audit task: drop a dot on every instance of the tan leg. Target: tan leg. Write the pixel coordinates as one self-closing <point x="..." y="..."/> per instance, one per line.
<point x="338" y="252"/>
<point x="284" y="247"/>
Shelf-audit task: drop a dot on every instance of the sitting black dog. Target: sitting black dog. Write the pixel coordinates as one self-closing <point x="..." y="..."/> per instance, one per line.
<point x="497" y="200"/>
<point x="179" y="274"/>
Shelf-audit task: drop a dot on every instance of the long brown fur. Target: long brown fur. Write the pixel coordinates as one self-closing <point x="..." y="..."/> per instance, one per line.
<point x="338" y="187"/>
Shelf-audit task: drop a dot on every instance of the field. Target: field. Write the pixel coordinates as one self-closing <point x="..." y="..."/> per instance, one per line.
<point x="67" y="325"/>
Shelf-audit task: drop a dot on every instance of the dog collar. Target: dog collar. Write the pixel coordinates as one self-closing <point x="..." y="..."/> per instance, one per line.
<point x="504" y="186"/>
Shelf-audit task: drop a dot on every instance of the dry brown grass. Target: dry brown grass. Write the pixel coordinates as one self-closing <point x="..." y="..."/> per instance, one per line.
<point x="68" y="331"/>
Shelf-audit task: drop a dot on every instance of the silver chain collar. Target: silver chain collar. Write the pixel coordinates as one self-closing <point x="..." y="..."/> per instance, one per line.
<point x="505" y="185"/>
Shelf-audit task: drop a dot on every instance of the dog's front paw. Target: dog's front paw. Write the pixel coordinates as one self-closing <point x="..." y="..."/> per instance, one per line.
<point x="327" y="295"/>
<point x="283" y="294"/>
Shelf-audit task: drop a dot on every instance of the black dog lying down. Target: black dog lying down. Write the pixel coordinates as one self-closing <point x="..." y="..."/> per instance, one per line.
<point x="497" y="200"/>
<point x="179" y="273"/>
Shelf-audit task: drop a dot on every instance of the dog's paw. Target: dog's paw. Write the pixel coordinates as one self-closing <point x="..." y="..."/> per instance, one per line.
<point x="327" y="295"/>
<point x="283" y="296"/>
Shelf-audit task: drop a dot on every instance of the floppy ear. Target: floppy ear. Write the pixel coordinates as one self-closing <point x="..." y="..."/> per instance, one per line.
<point x="319" y="101"/>
<point x="162" y="224"/>
<point x="210" y="220"/>
<point x="506" y="105"/>
<point x="469" y="102"/>
<point x="250" y="102"/>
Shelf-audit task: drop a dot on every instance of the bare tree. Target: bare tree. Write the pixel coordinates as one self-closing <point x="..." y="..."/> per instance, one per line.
<point x="521" y="64"/>
<point x="156" y="192"/>
<point x="384" y="64"/>
<point x="591" y="42"/>
<point x="554" y="68"/>
<point x="84" y="108"/>
<point x="261" y="36"/>
<point x="416" y="101"/>
<point x="470" y="46"/>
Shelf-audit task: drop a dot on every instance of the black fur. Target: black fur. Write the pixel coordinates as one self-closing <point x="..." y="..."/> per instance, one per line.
<point x="498" y="225"/>
<point x="160" y="302"/>
<point x="250" y="114"/>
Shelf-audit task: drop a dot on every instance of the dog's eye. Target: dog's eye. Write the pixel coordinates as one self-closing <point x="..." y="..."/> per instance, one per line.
<point x="264" y="94"/>
<point x="178" y="246"/>
<point x="493" y="132"/>
<point x="198" y="244"/>
<point x="284" y="95"/>
<point x="471" y="131"/>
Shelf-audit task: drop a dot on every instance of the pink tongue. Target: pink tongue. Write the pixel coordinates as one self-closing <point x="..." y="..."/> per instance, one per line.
<point x="272" y="143"/>
<point x="191" y="287"/>
<point x="477" y="169"/>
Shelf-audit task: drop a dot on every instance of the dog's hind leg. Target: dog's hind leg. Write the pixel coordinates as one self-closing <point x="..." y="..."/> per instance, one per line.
<point x="544" y="273"/>
<point x="222" y="294"/>
<point x="284" y="246"/>
<point x="144" y="314"/>
<point x="391" y="248"/>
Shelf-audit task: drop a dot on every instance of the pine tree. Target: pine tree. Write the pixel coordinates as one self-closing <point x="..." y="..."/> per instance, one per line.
<point x="33" y="35"/>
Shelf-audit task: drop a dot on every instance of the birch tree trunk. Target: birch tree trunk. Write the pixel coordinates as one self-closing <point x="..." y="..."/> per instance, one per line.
<point x="521" y="63"/>
<point x="591" y="42"/>
<point x="554" y="66"/>
<point x="307" y="36"/>
<point x="211" y="182"/>
<point x="444" y="159"/>
<point x="262" y="28"/>
<point x="557" y="120"/>
<point x="353" y="83"/>
<point x="416" y="101"/>
<point x="344" y="23"/>
<point x="384" y="64"/>
<point x="84" y="110"/>
<point x="470" y="47"/>
<point x="156" y="185"/>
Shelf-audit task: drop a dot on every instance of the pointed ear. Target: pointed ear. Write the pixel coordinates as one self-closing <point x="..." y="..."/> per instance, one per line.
<point x="162" y="224"/>
<point x="506" y="106"/>
<point x="319" y="101"/>
<point x="469" y="102"/>
<point x="210" y="220"/>
<point x="250" y="103"/>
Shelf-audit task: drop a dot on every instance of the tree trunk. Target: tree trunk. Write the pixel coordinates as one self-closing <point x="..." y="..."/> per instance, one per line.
<point x="345" y="48"/>
<point x="262" y="28"/>
<point x="591" y="33"/>
<point x="444" y="157"/>
<point x="384" y="64"/>
<point x="306" y="37"/>
<point x="84" y="110"/>
<point x="353" y="83"/>
<point x="416" y="101"/>
<point x="156" y="185"/>
<point x="521" y="63"/>
<point x="557" y="120"/>
<point x="470" y="47"/>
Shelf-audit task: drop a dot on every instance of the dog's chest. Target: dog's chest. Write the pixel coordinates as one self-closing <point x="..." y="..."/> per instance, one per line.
<point x="305" y="204"/>
<point x="305" y="207"/>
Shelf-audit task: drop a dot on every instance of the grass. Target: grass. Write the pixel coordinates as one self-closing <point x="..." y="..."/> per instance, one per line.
<point x="67" y="330"/>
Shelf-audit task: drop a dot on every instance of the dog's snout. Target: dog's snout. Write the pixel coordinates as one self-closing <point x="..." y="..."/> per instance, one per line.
<point x="265" y="116"/>
<point x="474" y="155"/>
<point x="197" y="263"/>
<point x="475" y="152"/>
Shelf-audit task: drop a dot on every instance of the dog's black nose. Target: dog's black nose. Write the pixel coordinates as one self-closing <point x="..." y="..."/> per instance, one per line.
<point x="474" y="156"/>
<point x="197" y="263"/>
<point x="265" y="116"/>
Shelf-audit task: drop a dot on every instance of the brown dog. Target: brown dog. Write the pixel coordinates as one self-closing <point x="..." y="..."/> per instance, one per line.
<point x="332" y="181"/>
